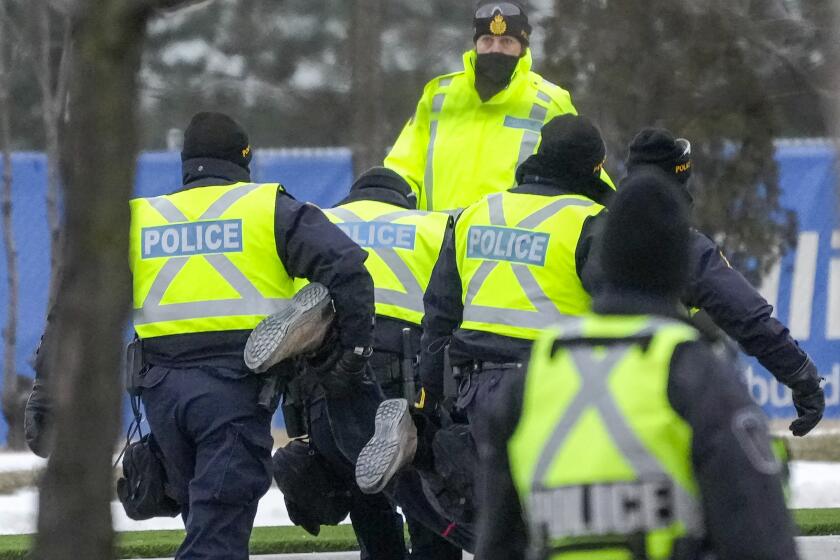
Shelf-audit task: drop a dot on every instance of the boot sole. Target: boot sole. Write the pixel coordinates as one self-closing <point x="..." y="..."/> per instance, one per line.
<point x="392" y="446"/>
<point x="297" y="329"/>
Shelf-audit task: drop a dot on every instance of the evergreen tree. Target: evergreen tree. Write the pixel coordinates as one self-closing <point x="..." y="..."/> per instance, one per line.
<point x="700" y="70"/>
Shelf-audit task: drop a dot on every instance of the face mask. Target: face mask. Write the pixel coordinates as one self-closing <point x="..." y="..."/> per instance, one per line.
<point x="493" y="72"/>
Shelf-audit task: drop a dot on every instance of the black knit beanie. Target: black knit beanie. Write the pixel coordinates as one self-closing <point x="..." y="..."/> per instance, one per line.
<point x="495" y="18"/>
<point x="571" y="149"/>
<point x="646" y="237"/>
<point x="382" y="185"/>
<point x="659" y="147"/>
<point x="217" y="136"/>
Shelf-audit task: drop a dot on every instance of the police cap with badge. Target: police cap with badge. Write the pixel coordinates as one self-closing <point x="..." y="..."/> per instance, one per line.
<point x="502" y="18"/>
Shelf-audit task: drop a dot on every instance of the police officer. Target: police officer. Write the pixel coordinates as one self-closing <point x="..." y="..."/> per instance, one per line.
<point x="507" y="271"/>
<point x="630" y="437"/>
<point x="723" y="294"/>
<point x="471" y="129"/>
<point x="513" y="283"/>
<point x="403" y="245"/>
<point x="209" y="262"/>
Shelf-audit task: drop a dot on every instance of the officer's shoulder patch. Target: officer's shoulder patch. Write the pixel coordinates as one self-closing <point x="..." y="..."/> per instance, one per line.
<point x="750" y="430"/>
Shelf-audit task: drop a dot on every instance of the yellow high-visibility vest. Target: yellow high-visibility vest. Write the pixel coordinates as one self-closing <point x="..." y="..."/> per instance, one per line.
<point x="402" y="246"/>
<point x="205" y="259"/>
<point x="599" y="457"/>
<point x="457" y="149"/>
<point x="516" y="259"/>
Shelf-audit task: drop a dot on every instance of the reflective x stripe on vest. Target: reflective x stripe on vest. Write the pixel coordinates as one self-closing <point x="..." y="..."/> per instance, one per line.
<point x="212" y="236"/>
<point x="563" y="452"/>
<point x="524" y="322"/>
<point x="395" y="235"/>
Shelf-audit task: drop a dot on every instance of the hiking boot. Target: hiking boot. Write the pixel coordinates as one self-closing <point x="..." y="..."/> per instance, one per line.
<point x="392" y="446"/>
<point x="297" y="329"/>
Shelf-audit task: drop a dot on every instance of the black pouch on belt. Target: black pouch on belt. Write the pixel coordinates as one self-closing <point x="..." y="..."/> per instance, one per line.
<point x="142" y="488"/>
<point x="133" y="367"/>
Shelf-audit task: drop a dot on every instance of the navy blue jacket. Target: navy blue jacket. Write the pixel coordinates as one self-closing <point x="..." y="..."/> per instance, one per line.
<point x="309" y="246"/>
<point x="716" y="288"/>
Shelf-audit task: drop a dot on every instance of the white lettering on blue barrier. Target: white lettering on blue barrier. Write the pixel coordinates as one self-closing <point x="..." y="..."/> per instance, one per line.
<point x="192" y="238"/>
<point x="776" y="399"/>
<point x="380" y="235"/>
<point x="507" y="244"/>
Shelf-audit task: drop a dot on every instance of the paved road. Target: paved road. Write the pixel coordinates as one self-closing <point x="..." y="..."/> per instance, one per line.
<point x="810" y="548"/>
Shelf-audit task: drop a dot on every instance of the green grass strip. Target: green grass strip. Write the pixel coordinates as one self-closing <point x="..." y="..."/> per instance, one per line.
<point x="161" y="544"/>
<point x="289" y="540"/>
<point x="817" y="522"/>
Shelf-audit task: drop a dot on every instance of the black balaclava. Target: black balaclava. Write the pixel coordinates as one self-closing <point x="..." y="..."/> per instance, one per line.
<point x="660" y="148"/>
<point x="216" y="136"/>
<point x="381" y="184"/>
<point x="493" y="71"/>
<point x="646" y="236"/>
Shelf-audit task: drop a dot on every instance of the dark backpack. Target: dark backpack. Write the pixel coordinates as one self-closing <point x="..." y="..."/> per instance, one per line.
<point x="314" y="496"/>
<point x="451" y="486"/>
<point x="142" y="489"/>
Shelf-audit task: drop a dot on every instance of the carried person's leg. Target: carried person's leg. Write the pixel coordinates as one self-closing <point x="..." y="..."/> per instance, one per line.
<point x="378" y="527"/>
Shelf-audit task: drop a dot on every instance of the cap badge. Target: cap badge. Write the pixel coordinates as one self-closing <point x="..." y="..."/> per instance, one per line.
<point x="246" y="151"/>
<point x="498" y="25"/>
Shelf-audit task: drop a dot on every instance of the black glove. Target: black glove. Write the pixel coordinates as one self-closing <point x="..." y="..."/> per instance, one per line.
<point x="37" y="425"/>
<point x="348" y="373"/>
<point x="808" y="398"/>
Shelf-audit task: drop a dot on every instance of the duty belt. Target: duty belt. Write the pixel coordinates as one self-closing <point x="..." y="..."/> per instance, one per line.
<point x="479" y="365"/>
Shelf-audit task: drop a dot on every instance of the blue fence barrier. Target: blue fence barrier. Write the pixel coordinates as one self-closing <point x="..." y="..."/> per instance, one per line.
<point x="805" y="287"/>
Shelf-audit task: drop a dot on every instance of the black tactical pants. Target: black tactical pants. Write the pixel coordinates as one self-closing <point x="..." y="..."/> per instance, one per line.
<point x="216" y="444"/>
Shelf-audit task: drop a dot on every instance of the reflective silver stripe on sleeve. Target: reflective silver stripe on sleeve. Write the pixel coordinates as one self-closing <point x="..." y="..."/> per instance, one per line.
<point x="530" y="139"/>
<point x="437" y="102"/>
<point x="538" y="113"/>
<point x="445" y="81"/>
<point x="429" y="178"/>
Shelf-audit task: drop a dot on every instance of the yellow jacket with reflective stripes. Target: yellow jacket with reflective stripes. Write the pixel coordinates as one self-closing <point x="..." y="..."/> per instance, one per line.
<point x="456" y="148"/>
<point x="599" y="455"/>
<point x="205" y="259"/>
<point x="516" y="259"/>
<point x="403" y="247"/>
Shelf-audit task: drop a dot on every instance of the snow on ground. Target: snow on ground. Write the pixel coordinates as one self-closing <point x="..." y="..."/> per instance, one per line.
<point x="813" y="485"/>
<point x="19" y="512"/>
<point x="23" y="461"/>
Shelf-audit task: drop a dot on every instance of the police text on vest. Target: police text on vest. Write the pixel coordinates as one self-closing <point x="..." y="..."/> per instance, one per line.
<point x="507" y="244"/>
<point x="380" y="235"/>
<point x="192" y="238"/>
